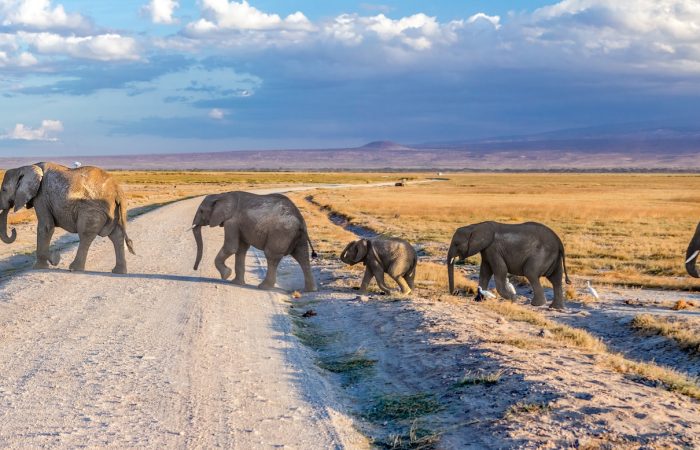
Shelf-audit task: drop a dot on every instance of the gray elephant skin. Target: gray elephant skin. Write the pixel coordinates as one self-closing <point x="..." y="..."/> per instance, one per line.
<point x="86" y="200"/>
<point x="691" y="255"/>
<point x="527" y="249"/>
<point x="271" y="223"/>
<point x="393" y="256"/>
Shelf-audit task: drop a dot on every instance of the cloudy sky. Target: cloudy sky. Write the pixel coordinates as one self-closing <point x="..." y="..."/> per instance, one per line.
<point x="140" y="76"/>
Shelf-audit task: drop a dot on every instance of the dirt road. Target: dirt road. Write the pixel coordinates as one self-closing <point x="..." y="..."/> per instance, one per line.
<point x="162" y="358"/>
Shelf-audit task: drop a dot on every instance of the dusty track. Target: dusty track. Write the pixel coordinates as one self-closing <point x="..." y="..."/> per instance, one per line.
<point x="161" y="358"/>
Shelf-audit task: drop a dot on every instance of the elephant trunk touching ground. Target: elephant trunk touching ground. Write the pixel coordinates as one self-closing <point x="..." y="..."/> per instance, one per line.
<point x="692" y="254"/>
<point x="7" y="239"/>
<point x="197" y="231"/>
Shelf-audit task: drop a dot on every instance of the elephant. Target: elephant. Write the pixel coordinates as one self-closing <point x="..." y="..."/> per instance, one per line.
<point x="84" y="200"/>
<point x="271" y="223"/>
<point x="692" y="253"/>
<point x="529" y="249"/>
<point x="383" y="255"/>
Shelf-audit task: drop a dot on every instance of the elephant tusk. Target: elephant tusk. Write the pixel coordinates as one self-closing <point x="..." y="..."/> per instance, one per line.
<point x="693" y="256"/>
<point x="452" y="261"/>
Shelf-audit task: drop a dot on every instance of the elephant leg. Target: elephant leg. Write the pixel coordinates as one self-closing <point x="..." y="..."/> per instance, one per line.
<point x="538" y="299"/>
<point x="558" y="287"/>
<point x="43" y="242"/>
<point x="401" y="281"/>
<point x="366" y="278"/>
<point x="501" y="288"/>
<point x="271" y="275"/>
<point x="229" y="248"/>
<point x="379" y="276"/>
<point x="117" y="238"/>
<point x="240" y="263"/>
<point x="301" y="255"/>
<point x="86" y="239"/>
<point x="485" y="274"/>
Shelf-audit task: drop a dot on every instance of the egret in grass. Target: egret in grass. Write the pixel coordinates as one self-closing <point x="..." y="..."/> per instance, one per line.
<point x="483" y="294"/>
<point x="510" y="288"/>
<point x="591" y="290"/>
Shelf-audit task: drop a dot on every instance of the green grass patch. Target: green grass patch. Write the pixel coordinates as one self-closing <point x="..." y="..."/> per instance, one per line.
<point x="395" y="407"/>
<point x="475" y="378"/>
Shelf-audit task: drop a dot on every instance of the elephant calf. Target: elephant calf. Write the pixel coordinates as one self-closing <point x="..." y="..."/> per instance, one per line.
<point x="528" y="249"/>
<point x="393" y="256"/>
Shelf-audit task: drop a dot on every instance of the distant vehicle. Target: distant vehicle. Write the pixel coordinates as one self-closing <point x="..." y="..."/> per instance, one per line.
<point x="77" y="164"/>
<point x="400" y="184"/>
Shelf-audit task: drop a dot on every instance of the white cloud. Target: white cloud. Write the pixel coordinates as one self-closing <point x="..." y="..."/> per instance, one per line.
<point x="103" y="47"/>
<point x="222" y="15"/>
<point x="217" y="114"/>
<point x="38" y="14"/>
<point x="161" y="11"/>
<point x="45" y="132"/>
<point x="493" y="20"/>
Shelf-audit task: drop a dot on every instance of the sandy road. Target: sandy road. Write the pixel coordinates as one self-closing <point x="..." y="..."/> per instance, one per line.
<point x="161" y="358"/>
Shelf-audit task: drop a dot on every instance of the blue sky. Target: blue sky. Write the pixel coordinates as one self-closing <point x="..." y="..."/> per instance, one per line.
<point x="152" y="76"/>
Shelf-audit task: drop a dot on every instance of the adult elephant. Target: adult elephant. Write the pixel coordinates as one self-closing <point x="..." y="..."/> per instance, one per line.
<point x="528" y="249"/>
<point x="85" y="200"/>
<point x="271" y="223"/>
<point x="692" y="253"/>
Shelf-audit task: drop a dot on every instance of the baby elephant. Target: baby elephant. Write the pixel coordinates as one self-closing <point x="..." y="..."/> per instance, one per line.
<point x="386" y="255"/>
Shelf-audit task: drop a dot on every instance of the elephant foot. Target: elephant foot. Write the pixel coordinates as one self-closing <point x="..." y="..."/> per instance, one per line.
<point x="238" y="281"/>
<point x="266" y="285"/>
<point x="41" y="265"/>
<point x="538" y="302"/>
<point x="408" y="292"/>
<point x="558" y="305"/>
<point x="120" y="270"/>
<point x="225" y="273"/>
<point x="311" y="288"/>
<point x="75" y="267"/>
<point x="55" y="258"/>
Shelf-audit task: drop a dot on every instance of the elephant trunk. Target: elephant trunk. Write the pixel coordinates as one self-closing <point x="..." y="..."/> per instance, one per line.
<point x="7" y="239"/>
<point x="451" y="271"/>
<point x="197" y="231"/>
<point x="692" y="253"/>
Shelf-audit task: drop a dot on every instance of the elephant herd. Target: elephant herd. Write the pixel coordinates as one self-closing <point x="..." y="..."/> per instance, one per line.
<point x="88" y="201"/>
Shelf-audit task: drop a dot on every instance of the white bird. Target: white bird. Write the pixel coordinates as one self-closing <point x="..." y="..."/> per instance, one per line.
<point x="510" y="288"/>
<point x="591" y="290"/>
<point x="77" y="164"/>
<point x="482" y="294"/>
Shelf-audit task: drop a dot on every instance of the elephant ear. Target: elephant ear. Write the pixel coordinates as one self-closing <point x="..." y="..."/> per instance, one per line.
<point x="28" y="184"/>
<point x="218" y="213"/>
<point x="362" y="247"/>
<point x="481" y="237"/>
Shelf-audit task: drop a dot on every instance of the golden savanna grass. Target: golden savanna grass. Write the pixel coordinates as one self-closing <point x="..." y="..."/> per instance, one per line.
<point x="686" y="337"/>
<point x="582" y="340"/>
<point x="630" y="229"/>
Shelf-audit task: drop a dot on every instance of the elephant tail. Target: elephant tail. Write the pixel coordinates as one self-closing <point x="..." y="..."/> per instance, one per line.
<point x="121" y="220"/>
<point x="563" y="262"/>
<point x="313" y="251"/>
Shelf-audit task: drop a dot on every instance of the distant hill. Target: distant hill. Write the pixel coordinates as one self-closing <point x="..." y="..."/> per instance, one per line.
<point x="620" y="148"/>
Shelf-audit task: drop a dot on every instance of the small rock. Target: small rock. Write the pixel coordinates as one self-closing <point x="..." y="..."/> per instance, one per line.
<point x="362" y="298"/>
<point x="296" y="294"/>
<point x="309" y="313"/>
<point x="544" y="333"/>
<point x="501" y="320"/>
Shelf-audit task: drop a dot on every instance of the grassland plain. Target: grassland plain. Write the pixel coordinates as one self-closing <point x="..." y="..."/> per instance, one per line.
<point x="629" y="229"/>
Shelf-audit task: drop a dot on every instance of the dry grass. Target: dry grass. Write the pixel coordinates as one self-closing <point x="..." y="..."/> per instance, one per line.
<point x="682" y="304"/>
<point x="582" y="340"/>
<point x="686" y="337"/>
<point x="472" y="378"/>
<point x="625" y="229"/>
